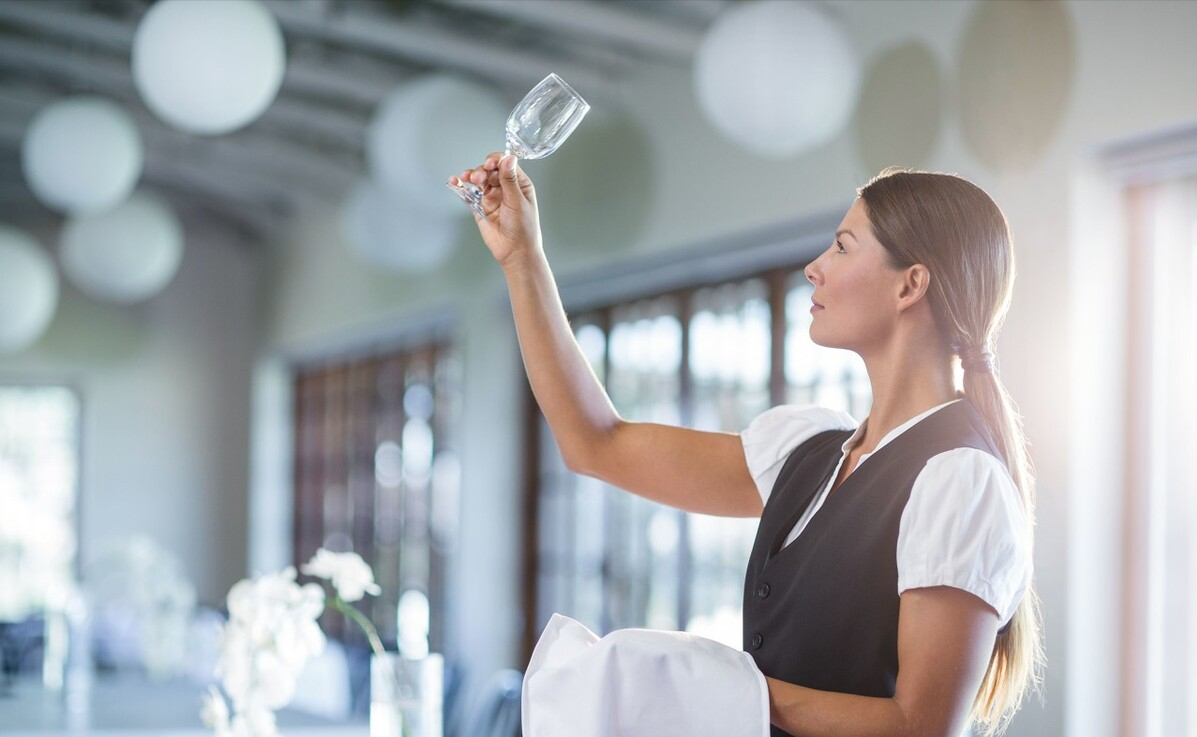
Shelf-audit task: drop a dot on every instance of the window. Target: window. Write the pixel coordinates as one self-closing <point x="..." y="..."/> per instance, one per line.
<point x="377" y="472"/>
<point x="710" y="357"/>
<point x="1132" y="574"/>
<point x="1161" y="490"/>
<point x="39" y="479"/>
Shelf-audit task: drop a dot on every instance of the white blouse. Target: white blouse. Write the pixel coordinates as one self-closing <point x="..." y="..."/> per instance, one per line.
<point x="963" y="526"/>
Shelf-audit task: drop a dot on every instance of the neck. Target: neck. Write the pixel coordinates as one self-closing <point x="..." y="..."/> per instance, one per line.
<point x="906" y="380"/>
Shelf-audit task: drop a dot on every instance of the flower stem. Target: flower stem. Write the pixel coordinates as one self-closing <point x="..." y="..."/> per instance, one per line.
<point x="368" y="628"/>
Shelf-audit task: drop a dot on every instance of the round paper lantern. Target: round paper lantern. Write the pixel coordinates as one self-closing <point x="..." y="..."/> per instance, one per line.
<point x="1017" y="73"/>
<point x="82" y="154"/>
<point x="28" y="290"/>
<point x="776" y="77"/>
<point x="208" y="67"/>
<point x="126" y="254"/>
<point x="433" y="127"/>
<point x="385" y="231"/>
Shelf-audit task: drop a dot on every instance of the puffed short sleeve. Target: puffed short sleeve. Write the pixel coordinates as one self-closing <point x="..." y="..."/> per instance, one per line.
<point x="774" y="434"/>
<point x="964" y="527"/>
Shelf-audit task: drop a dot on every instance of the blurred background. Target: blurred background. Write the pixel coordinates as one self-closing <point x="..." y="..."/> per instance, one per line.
<point x="242" y="319"/>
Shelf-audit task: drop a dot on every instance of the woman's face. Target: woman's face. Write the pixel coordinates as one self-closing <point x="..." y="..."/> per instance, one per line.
<point x="856" y="289"/>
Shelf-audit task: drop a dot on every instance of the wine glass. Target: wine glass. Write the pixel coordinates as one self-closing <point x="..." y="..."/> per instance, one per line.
<point x="536" y="127"/>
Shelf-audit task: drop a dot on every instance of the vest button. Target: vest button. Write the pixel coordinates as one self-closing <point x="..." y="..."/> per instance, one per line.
<point x="757" y="641"/>
<point x="763" y="591"/>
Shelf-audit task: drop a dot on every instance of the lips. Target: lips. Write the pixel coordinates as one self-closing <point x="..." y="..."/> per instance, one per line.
<point x="815" y="306"/>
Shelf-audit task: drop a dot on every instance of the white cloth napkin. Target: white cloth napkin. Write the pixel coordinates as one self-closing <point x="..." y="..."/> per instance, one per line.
<point x="640" y="683"/>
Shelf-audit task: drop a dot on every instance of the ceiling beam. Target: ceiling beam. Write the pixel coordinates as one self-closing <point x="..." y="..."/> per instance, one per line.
<point x="248" y="213"/>
<point x="247" y="146"/>
<point x="239" y="170"/>
<point x="19" y="207"/>
<point x="702" y="12"/>
<point x="649" y="35"/>
<point x="430" y="46"/>
<point x="362" y="87"/>
<point x="113" y="78"/>
<point x="346" y="132"/>
<point x="346" y="79"/>
<point x="75" y="24"/>
<point x="19" y="54"/>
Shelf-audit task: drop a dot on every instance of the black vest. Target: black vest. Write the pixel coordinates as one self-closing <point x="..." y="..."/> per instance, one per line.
<point x="822" y="612"/>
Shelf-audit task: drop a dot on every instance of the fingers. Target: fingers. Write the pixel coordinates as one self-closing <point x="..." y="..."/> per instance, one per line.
<point x="485" y="174"/>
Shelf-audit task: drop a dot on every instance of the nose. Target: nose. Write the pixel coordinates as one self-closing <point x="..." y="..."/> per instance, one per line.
<point x="812" y="272"/>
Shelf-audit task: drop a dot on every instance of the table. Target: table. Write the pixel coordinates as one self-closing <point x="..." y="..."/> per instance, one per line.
<point x="135" y="707"/>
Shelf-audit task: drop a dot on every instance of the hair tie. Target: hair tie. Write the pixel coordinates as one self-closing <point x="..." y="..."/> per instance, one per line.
<point x="977" y="360"/>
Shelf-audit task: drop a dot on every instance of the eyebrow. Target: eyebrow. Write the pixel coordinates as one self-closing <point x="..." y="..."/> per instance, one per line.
<point x="845" y="231"/>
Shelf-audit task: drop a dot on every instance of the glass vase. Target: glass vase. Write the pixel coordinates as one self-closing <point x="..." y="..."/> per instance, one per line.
<point x="406" y="695"/>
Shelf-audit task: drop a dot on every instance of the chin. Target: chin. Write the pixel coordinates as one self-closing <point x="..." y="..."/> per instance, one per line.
<point x="823" y="340"/>
<point x="819" y="338"/>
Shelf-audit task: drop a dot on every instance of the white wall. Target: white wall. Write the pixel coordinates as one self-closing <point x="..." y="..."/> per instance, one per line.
<point x="165" y="409"/>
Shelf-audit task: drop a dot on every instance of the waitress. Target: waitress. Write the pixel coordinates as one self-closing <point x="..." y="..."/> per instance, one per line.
<point x="889" y="589"/>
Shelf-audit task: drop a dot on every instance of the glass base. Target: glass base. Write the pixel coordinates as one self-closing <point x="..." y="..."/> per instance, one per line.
<point x="471" y="194"/>
<point x="406" y="696"/>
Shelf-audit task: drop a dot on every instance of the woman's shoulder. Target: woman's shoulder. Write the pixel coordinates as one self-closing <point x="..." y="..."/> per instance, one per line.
<point x="960" y="480"/>
<point x="774" y="434"/>
<point x="964" y="526"/>
<point x="968" y="467"/>
<point x="800" y="419"/>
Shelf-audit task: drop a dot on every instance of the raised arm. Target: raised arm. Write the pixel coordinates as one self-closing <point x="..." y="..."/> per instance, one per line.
<point x="693" y="470"/>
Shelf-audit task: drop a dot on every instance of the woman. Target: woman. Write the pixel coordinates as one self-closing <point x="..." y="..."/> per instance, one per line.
<point x="888" y="591"/>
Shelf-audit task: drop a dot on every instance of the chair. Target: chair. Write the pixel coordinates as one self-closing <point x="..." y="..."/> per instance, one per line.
<point x="498" y="711"/>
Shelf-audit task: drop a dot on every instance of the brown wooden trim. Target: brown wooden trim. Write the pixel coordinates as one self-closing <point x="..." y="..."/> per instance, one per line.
<point x="685" y="567"/>
<point x="1133" y="709"/>
<point x="778" y="284"/>
<point x="529" y="570"/>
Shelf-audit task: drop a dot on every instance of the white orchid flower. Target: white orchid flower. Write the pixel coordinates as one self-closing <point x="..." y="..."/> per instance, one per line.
<point x="275" y="681"/>
<point x="215" y="712"/>
<point x="271" y="633"/>
<point x="255" y="723"/>
<point x="350" y="575"/>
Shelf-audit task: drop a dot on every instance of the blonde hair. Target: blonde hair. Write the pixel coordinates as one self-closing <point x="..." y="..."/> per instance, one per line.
<point x="957" y="231"/>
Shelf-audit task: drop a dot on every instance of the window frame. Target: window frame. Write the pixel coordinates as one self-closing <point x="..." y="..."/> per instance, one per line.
<point x="277" y="491"/>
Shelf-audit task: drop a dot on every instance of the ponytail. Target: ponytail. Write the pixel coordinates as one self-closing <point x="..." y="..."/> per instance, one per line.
<point x="1016" y="662"/>
<point x="957" y="231"/>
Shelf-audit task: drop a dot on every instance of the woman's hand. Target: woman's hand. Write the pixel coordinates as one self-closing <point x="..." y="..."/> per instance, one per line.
<point x="511" y="227"/>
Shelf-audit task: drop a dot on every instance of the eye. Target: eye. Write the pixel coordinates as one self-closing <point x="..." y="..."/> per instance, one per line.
<point x="839" y="247"/>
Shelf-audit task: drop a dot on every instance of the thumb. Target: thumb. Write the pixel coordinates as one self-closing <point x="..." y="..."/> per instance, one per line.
<point x="509" y="175"/>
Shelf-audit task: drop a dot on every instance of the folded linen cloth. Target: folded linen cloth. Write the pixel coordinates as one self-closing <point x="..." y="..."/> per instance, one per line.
<point x="640" y="683"/>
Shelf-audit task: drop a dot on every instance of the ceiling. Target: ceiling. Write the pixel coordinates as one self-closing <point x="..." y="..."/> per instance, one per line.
<point x="343" y="57"/>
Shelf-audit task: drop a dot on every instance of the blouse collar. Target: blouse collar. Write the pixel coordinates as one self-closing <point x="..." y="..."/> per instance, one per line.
<point x="857" y="436"/>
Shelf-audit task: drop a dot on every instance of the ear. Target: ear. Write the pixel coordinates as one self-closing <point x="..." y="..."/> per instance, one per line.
<point x="916" y="280"/>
